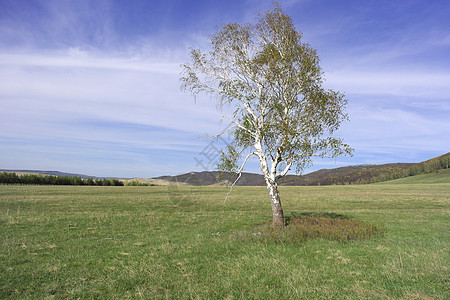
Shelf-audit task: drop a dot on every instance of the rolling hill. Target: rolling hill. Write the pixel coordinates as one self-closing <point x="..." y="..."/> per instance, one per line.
<point x="320" y="177"/>
<point x="359" y="174"/>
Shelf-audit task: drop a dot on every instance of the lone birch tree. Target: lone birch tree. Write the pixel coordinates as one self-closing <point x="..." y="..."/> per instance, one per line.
<point x="273" y="83"/>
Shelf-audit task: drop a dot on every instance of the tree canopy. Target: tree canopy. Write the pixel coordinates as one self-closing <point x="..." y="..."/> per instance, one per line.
<point x="273" y="80"/>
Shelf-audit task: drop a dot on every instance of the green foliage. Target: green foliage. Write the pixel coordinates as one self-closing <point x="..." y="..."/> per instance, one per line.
<point x="37" y="179"/>
<point x="137" y="183"/>
<point x="228" y="162"/>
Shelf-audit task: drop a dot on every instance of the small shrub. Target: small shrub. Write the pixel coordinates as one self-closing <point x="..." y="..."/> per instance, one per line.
<point x="137" y="183"/>
<point x="307" y="227"/>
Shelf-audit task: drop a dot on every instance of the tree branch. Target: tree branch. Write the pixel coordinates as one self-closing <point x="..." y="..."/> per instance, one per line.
<point x="222" y="133"/>
<point x="240" y="125"/>
<point x="239" y="172"/>
<point x="285" y="171"/>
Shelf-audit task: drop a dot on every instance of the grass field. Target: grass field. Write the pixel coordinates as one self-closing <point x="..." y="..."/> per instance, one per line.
<point x="441" y="176"/>
<point x="179" y="243"/>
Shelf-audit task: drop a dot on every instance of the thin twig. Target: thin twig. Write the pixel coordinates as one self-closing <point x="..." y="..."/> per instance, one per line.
<point x="231" y="188"/>
<point x="239" y="172"/>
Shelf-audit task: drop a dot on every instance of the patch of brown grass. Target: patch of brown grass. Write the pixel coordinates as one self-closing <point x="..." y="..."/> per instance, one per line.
<point x="302" y="228"/>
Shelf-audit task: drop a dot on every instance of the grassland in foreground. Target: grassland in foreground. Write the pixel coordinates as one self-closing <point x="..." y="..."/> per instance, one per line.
<point x="178" y="243"/>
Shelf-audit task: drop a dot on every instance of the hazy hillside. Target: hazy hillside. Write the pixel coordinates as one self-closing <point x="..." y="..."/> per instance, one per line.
<point x="342" y="175"/>
<point x="320" y="177"/>
<point x="210" y="178"/>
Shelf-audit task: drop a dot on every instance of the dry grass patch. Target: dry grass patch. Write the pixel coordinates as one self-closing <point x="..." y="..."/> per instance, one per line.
<point x="300" y="228"/>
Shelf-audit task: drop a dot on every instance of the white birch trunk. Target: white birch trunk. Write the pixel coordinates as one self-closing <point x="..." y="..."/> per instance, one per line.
<point x="272" y="187"/>
<point x="277" y="210"/>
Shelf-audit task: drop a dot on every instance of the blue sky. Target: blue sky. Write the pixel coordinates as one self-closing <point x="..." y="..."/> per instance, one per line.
<point x="92" y="86"/>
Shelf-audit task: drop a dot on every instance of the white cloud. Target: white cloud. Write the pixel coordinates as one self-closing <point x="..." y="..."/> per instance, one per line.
<point x="108" y="88"/>
<point x="118" y="110"/>
<point x="96" y="103"/>
<point x="388" y="131"/>
<point x="399" y="83"/>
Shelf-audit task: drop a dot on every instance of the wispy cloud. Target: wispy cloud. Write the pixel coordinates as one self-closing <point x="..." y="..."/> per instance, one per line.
<point x="56" y="24"/>
<point x="420" y="83"/>
<point x="110" y="88"/>
<point x="76" y="100"/>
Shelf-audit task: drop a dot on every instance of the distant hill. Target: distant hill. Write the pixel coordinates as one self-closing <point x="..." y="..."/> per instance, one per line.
<point x="359" y="174"/>
<point x="342" y="175"/>
<point x="320" y="177"/>
<point x="210" y="178"/>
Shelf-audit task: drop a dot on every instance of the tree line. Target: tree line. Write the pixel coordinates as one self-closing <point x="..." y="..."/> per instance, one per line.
<point x="37" y="179"/>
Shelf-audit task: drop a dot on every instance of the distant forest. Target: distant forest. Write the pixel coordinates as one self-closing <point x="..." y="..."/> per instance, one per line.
<point x="37" y="179"/>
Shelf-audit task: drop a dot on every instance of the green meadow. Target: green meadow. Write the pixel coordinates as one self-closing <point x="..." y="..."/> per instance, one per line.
<point x="67" y="242"/>
<point x="440" y="176"/>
